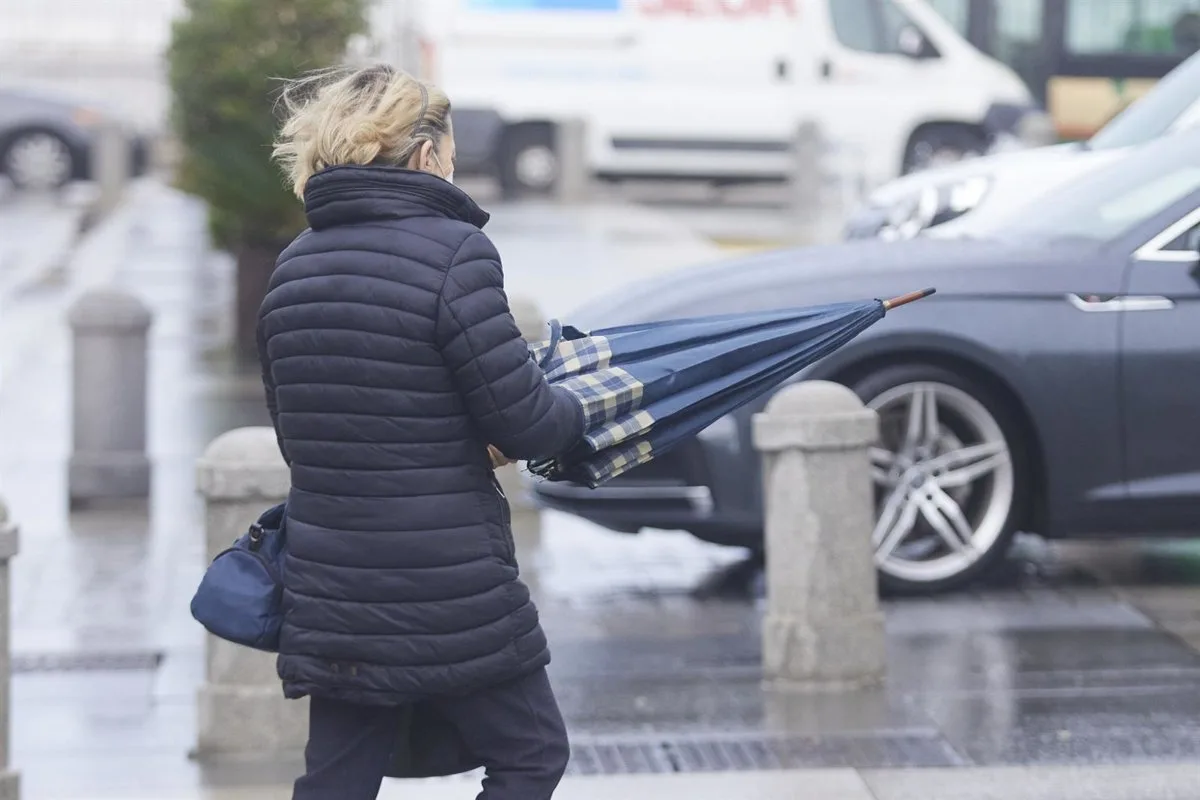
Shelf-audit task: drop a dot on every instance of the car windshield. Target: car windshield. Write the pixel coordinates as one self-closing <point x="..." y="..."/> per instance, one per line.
<point x="1100" y="206"/>
<point x="1176" y="99"/>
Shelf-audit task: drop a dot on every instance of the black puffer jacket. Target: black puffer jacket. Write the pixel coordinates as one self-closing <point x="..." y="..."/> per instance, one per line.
<point x="391" y="361"/>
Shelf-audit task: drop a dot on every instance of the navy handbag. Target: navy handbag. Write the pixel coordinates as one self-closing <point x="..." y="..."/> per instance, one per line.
<point x="240" y="598"/>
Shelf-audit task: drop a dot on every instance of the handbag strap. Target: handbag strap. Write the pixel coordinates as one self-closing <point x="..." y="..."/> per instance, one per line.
<point x="556" y="334"/>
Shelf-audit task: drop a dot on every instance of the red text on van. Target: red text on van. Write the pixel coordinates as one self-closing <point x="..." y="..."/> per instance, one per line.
<point x="719" y="8"/>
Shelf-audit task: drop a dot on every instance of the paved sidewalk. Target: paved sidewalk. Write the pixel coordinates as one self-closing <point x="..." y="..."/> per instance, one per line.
<point x="106" y="656"/>
<point x="36" y="237"/>
<point x="1012" y="692"/>
<point x="1047" y="783"/>
<point x="52" y="265"/>
<point x="1166" y="782"/>
<point x="746" y="218"/>
<point x="36" y="234"/>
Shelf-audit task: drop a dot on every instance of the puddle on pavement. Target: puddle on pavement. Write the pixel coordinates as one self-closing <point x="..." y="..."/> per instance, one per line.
<point x="576" y="560"/>
<point x="573" y="560"/>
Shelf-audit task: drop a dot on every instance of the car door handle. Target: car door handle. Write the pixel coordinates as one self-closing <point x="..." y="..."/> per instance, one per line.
<point x="1096" y="304"/>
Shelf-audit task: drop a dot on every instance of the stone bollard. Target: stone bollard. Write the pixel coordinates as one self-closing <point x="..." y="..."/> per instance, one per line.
<point x="108" y="460"/>
<point x="10" y="781"/>
<point x="807" y="182"/>
<point x="241" y="708"/>
<point x="574" y="178"/>
<point x="111" y="166"/>
<point x="823" y="629"/>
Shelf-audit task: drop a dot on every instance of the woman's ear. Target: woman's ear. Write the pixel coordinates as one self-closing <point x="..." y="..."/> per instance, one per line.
<point x="422" y="158"/>
<point x="425" y="158"/>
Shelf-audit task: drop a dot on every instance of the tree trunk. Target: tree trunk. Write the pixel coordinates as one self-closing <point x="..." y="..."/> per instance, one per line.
<point x="254" y="267"/>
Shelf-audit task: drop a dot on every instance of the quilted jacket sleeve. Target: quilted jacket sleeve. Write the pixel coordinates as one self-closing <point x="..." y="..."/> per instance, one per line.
<point x="505" y="391"/>
<point x="269" y="387"/>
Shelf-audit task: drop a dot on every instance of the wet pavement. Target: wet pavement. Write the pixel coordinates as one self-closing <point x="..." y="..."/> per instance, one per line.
<point x="1073" y="657"/>
<point x="36" y="236"/>
<point x="748" y="217"/>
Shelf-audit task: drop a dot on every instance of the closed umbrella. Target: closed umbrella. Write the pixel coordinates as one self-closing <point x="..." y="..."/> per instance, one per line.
<point x="645" y="388"/>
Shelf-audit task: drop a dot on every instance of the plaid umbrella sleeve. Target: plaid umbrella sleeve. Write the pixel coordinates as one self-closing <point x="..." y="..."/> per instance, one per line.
<point x="562" y="358"/>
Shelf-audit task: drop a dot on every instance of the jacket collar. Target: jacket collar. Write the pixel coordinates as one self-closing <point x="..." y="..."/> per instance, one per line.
<point x="352" y="194"/>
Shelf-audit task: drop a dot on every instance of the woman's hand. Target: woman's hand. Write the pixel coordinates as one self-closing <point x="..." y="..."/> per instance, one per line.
<point x="499" y="459"/>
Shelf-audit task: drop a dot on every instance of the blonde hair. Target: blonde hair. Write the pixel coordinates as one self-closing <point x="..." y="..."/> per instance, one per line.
<point x="368" y="115"/>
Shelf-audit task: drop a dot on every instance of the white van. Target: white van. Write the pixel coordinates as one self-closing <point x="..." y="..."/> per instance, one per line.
<point x="708" y="89"/>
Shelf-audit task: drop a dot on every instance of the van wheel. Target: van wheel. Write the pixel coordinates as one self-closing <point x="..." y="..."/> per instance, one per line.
<point x="939" y="145"/>
<point x="528" y="161"/>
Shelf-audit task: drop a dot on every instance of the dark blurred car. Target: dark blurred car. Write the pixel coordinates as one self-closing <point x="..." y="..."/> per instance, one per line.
<point x="46" y="142"/>
<point x="1050" y="386"/>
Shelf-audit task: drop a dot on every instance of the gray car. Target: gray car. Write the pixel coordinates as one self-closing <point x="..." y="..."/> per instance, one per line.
<point x="46" y="142"/>
<point x="1050" y="386"/>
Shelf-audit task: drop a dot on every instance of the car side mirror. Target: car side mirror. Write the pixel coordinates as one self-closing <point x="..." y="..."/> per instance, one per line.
<point x="912" y="43"/>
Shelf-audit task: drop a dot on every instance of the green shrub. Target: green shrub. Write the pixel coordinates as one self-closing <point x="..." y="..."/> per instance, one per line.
<point x="225" y="61"/>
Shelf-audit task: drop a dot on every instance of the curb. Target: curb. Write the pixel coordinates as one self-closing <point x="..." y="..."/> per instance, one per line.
<point x="1130" y="782"/>
<point x="1146" y="781"/>
<point x="1134" y="782"/>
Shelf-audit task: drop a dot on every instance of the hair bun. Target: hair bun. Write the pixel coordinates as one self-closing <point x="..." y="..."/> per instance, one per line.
<point x="363" y="132"/>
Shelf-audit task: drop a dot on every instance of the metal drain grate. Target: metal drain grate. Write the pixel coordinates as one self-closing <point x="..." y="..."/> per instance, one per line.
<point x="86" y="662"/>
<point x="750" y="752"/>
<point x="732" y="756"/>
<point x="631" y="758"/>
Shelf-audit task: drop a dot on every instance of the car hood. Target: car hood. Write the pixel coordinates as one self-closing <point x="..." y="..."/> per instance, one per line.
<point x="815" y="275"/>
<point x="1027" y="162"/>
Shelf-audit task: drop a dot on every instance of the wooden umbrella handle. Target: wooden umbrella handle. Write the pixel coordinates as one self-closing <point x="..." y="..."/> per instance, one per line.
<point x="905" y="299"/>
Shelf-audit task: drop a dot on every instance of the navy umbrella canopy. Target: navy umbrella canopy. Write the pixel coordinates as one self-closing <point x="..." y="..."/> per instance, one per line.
<point x="645" y="388"/>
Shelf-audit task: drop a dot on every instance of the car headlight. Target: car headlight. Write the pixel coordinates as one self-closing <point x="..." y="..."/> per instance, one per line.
<point x="934" y="205"/>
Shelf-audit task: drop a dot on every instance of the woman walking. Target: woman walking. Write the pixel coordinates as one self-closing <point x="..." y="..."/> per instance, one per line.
<point x="397" y="380"/>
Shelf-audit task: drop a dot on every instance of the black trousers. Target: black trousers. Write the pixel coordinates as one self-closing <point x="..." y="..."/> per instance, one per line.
<point x="515" y="730"/>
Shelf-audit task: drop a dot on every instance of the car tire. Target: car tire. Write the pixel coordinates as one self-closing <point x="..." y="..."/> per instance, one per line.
<point x="528" y="161"/>
<point x="939" y="145"/>
<point x="38" y="160"/>
<point x="958" y="477"/>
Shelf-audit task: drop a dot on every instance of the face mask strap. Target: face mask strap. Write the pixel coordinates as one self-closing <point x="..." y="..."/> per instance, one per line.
<point x="447" y="176"/>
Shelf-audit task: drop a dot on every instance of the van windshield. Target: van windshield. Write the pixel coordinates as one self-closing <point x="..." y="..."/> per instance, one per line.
<point x="1176" y="96"/>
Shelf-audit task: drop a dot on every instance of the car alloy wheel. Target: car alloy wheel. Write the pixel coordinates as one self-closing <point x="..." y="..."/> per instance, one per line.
<point x="945" y="485"/>
<point x="38" y="161"/>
